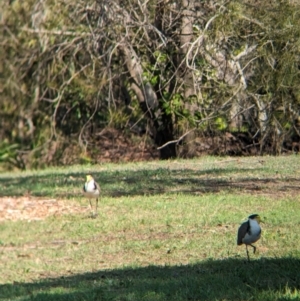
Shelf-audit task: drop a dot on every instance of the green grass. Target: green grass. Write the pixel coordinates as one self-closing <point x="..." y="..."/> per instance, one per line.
<point x="165" y="231"/>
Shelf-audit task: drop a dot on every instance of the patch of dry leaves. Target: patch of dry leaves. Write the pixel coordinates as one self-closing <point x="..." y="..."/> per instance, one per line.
<point x="31" y="208"/>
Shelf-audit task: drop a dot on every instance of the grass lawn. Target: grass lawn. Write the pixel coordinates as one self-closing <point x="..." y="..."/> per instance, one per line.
<point x="165" y="231"/>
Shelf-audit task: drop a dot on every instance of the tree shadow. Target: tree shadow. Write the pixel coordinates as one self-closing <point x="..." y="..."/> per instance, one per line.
<point x="228" y="279"/>
<point x="146" y="182"/>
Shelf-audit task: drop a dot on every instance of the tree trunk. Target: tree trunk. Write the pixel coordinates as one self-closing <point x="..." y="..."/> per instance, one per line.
<point x="161" y="124"/>
<point x="186" y="37"/>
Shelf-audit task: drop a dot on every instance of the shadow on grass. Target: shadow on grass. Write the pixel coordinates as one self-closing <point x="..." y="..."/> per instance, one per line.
<point x="146" y="182"/>
<point x="229" y="279"/>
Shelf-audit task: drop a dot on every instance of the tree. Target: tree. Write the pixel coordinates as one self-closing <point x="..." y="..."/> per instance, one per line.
<point x="176" y="68"/>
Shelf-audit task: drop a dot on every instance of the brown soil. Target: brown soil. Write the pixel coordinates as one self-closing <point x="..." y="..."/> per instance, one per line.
<point x="111" y="145"/>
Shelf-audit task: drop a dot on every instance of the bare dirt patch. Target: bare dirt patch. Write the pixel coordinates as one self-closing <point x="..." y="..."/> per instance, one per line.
<point x="31" y="208"/>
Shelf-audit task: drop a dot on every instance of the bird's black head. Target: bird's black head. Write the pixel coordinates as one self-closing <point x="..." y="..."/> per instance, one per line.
<point x="254" y="216"/>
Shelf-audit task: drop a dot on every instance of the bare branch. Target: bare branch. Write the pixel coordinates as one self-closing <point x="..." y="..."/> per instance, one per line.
<point x="198" y="41"/>
<point x="57" y="32"/>
<point x="176" y="141"/>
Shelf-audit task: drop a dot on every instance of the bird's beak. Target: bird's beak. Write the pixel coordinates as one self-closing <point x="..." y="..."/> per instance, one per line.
<point x="261" y="220"/>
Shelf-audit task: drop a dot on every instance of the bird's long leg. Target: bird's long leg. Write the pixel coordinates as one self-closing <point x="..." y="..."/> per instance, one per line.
<point x="96" y="206"/>
<point x="254" y="249"/>
<point x="92" y="214"/>
<point x="247" y="253"/>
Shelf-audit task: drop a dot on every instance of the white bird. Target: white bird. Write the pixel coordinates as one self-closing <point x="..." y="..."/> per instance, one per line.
<point x="92" y="190"/>
<point x="249" y="232"/>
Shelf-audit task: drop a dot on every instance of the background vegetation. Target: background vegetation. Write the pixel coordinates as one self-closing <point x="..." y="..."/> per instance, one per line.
<point x="154" y="71"/>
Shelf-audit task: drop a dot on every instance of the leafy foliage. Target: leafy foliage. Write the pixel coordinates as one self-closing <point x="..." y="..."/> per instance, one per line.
<point x="67" y="72"/>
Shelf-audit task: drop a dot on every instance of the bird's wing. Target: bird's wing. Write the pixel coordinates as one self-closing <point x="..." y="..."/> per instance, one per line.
<point x="96" y="186"/>
<point x="243" y="229"/>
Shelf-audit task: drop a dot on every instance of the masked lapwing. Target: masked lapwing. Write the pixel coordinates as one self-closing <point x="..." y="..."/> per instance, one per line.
<point x="92" y="190"/>
<point x="249" y="232"/>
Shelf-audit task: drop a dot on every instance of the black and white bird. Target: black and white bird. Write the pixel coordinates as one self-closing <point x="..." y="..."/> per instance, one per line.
<point x="92" y="190"/>
<point x="249" y="232"/>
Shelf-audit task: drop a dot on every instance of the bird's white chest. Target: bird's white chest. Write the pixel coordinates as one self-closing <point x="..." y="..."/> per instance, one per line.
<point x="91" y="189"/>
<point x="253" y="234"/>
